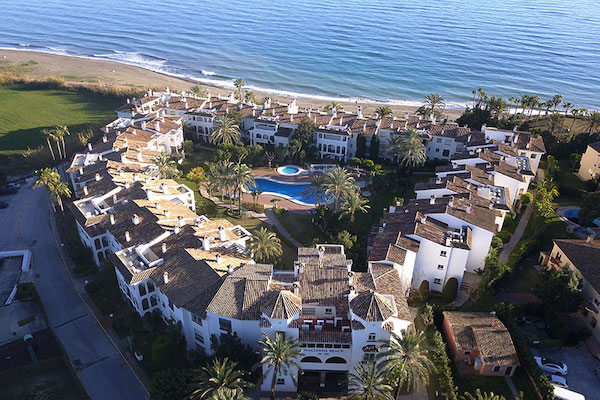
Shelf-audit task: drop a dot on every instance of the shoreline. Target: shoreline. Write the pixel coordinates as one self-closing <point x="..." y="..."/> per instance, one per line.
<point x="82" y="69"/>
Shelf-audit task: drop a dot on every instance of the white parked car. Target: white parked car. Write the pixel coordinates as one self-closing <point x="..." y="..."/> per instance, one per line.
<point x="552" y="366"/>
<point x="557" y="380"/>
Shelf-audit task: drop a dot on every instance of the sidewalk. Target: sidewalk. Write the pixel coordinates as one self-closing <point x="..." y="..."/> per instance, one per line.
<point x="516" y="237"/>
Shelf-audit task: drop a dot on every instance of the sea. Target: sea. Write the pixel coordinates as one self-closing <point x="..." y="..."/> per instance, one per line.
<point x="387" y="51"/>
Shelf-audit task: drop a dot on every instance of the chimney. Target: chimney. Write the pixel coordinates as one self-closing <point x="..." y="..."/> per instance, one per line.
<point x="222" y="236"/>
<point x="97" y="176"/>
<point x="176" y="230"/>
<point x="491" y="205"/>
<point x="112" y="219"/>
<point x="180" y="221"/>
<point x="468" y="210"/>
<point x="127" y="185"/>
<point x="423" y="219"/>
<point x="352" y="290"/>
<point x="128" y="100"/>
<point x="364" y="126"/>
<point x="85" y="190"/>
<point x="115" y="200"/>
<point x="321" y="252"/>
<point x="143" y="125"/>
<point x="139" y="155"/>
<point x="206" y="243"/>
<point x="166" y="277"/>
<point x="296" y="289"/>
<point x="219" y="258"/>
<point x="127" y="237"/>
<point x="468" y="186"/>
<point x="80" y="170"/>
<point x="164" y="188"/>
<point x="123" y="158"/>
<point x="163" y="248"/>
<point x="359" y="112"/>
<point x="149" y="92"/>
<point x="135" y="177"/>
<point x="157" y="205"/>
<point x="451" y="202"/>
<point x="157" y="126"/>
<point x="229" y="269"/>
<point x="432" y="199"/>
<point x="291" y="117"/>
<point x="89" y="146"/>
<point x="166" y="213"/>
<point x="104" y="139"/>
<point x="315" y="121"/>
<point x="483" y="128"/>
<point x="135" y="219"/>
<point x="590" y="238"/>
<point x="253" y="112"/>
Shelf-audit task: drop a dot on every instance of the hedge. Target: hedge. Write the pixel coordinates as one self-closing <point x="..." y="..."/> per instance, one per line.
<point x="443" y="372"/>
<point x="522" y="346"/>
<point x="424" y="290"/>
<point x="504" y="236"/>
<point x="256" y="207"/>
<point x="521" y="250"/>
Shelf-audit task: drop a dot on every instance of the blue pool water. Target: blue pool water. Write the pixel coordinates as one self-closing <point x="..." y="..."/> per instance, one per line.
<point x="290" y="190"/>
<point x="572" y="213"/>
<point x="374" y="50"/>
<point x="290" y="170"/>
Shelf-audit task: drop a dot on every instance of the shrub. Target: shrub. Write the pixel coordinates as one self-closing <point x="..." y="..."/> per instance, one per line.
<point x="354" y="161"/>
<point x="504" y="236"/>
<point x="172" y="384"/>
<point x="161" y="348"/>
<point x="256" y="207"/>
<point x="526" y="198"/>
<point x="450" y="290"/>
<point x="368" y="164"/>
<point x="496" y="242"/>
<point x="523" y="249"/>
<point x="443" y="370"/>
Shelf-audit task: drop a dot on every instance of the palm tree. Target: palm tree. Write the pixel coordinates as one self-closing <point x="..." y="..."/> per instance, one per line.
<point x="279" y="355"/>
<point x="556" y="121"/>
<point x="315" y="189"/>
<point x="434" y="102"/>
<point x="249" y="97"/>
<point x="264" y="245"/>
<point x="383" y="111"/>
<point x="338" y="183"/>
<point x="197" y="90"/>
<point x="239" y="84"/>
<point x="222" y="173"/>
<point x="243" y="179"/>
<point x="556" y="101"/>
<point x="369" y="383"/>
<point x="50" y="179"/>
<point x="412" y="149"/>
<point x="226" y="132"/>
<point x="512" y="100"/>
<point x="49" y="134"/>
<point x="395" y="146"/>
<point x="229" y="394"/>
<point x="164" y="167"/>
<point x="406" y="359"/>
<point x="354" y="202"/>
<point x="474" y="91"/>
<point x="482" y="396"/>
<point x="333" y="106"/>
<point x="593" y="121"/>
<point x="220" y="375"/>
<point x="574" y="114"/>
<point x="62" y="131"/>
<point x="255" y="194"/>
<point x="567" y="107"/>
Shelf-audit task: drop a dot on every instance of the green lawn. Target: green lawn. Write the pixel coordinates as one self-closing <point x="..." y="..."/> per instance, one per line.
<point x="25" y="111"/>
<point x="471" y="382"/>
<point x="300" y="226"/>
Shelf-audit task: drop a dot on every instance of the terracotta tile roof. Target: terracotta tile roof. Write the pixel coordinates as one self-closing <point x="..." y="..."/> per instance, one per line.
<point x="240" y="294"/>
<point x="371" y="306"/>
<point x="536" y="143"/>
<point x="324" y="337"/>
<point x="281" y="304"/>
<point x="584" y="257"/>
<point x="483" y="332"/>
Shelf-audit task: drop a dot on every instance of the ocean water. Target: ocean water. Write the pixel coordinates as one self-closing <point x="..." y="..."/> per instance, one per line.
<point x="375" y="50"/>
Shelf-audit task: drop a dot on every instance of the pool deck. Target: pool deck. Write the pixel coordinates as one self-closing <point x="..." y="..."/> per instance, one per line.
<point x="267" y="173"/>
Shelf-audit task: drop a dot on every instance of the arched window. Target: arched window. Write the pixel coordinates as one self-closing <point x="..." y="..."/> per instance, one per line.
<point x="145" y="304"/>
<point x="372" y="337"/>
<point x="258" y="136"/>
<point x="100" y="256"/>
<point x="311" y="359"/>
<point x="142" y="289"/>
<point x="335" y="360"/>
<point x="104" y="242"/>
<point x="97" y="244"/>
<point x="153" y="301"/>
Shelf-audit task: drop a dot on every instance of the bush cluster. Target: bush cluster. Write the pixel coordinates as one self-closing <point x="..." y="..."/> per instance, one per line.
<point x="256" y="207"/>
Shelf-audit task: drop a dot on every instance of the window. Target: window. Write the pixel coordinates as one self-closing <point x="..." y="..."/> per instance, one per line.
<point x="596" y="302"/>
<point x="145" y="304"/>
<point x="171" y="305"/>
<point x="446" y="153"/>
<point x="150" y="286"/>
<point x="308" y="311"/>
<point x="328" y="346"/>
<point x="438" y="140"/>
<point x="437" y="281"/>
<point x="320" y="345"/>
<point x="196" y="319"/>
<point x="281" y="381"/>
<point x="225" y="324"/>
<point x="337" y="346"/>
<point x="345" y="346"/>
<point x="369" y="357"/>
<point x="440" y="266"/>
<point x="372" y="337"/>
<point x="153" y="302"/>
<point x="198" y="336"/>
<point x="443" y="253"/>
<point x="437" y="150"/>
<point x="142" y="289"/>
<point x="497" y="368"/>
<point x="467" y="352"/>
<point x="310" y="345"/>
<point x="328" y="311"/>
<point x="533" y="156"/>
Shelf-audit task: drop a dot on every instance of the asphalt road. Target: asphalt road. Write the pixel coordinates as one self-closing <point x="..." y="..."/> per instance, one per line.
<point x="99" y="365"/>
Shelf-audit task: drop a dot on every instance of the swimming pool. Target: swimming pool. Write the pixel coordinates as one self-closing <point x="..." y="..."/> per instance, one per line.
<point x="290" y="191"/>
<point x="289" y="170"/>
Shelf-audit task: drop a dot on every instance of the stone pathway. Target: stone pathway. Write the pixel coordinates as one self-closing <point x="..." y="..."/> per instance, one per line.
<point x="273" y="220"/>
<point x="514" y="239"/>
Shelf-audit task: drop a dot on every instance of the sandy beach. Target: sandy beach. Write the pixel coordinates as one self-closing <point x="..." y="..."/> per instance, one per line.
<point x="85" y="70"/>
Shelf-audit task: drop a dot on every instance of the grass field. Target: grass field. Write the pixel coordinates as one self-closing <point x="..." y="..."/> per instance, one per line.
<point x="25" y="111"/>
